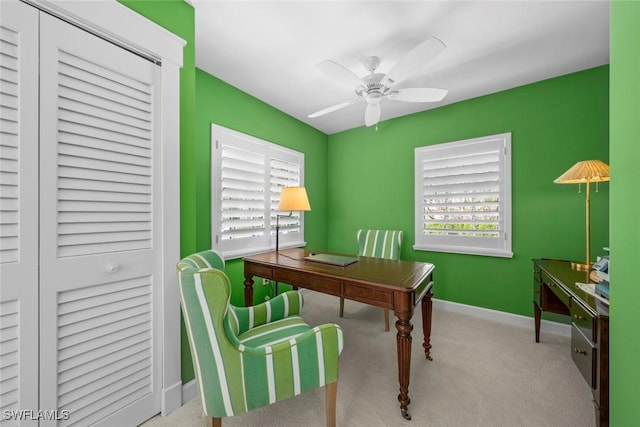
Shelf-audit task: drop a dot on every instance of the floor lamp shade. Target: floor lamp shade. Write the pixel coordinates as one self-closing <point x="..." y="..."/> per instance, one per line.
<point x="586" y="172"/>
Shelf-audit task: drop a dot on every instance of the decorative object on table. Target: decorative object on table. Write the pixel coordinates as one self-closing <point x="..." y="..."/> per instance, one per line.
<point x="585" y="172"/>
<point x="248" y="357"/>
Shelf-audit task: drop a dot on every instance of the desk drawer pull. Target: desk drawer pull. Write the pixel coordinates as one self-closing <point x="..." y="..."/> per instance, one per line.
<point x="576" y="351"/>
<point x="578" y="317"/>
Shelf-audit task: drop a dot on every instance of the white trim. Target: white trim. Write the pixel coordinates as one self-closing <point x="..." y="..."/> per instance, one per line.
<point x="189" y="391"/>
<point x="114" y="21"/>
<point x="502" y="317"/>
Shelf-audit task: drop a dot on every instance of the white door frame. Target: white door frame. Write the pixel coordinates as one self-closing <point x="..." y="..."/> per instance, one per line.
<point x="116" y="22"/>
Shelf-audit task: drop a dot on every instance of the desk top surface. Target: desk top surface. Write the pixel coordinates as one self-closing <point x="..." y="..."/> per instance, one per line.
<point x="395" y="273"/>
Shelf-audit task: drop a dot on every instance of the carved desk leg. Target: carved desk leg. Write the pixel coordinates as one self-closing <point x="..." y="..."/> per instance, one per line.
<point x="403" y="338"/>
<point x="248" y="289"/>
<point x="427" y="313"/>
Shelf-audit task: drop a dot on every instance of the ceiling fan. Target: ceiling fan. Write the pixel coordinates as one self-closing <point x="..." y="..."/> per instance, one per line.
<point x="376" y="86"/>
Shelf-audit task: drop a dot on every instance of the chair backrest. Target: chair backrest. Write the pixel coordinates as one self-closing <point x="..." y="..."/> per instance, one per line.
<point x="204" y="295"/>
<point x="204" y="259"/>
<point x="379" y="243"/>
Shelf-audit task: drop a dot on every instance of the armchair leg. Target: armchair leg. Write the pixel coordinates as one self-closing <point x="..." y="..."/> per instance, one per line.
<point x="331" y="395"/>
<point x="214" y="422"/>
<point x="341" y="307"/>
<point x="386" y="320"/>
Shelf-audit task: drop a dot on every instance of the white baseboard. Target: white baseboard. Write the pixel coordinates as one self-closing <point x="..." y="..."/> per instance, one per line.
<point x="189" y="391"/>
<point x="500" y="316"/>
<point x="171" y="398"/>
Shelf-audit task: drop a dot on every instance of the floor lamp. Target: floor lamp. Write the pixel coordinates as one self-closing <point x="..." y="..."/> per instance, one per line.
<point x="291" y="199"/>
<point x="586" y="172"/>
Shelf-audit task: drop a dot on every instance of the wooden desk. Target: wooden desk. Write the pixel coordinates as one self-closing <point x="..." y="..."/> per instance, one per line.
<point x="396" y="285"/>
<point x="555" y="290"/>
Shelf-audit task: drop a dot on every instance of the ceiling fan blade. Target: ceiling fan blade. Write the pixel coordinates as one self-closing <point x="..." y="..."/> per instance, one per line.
<point x="419" y="94"/>
<point x="372" y="114"/>
<point x="339" y="73"/>
<point x="414" y="60"/>
<point x="333" y="108"/>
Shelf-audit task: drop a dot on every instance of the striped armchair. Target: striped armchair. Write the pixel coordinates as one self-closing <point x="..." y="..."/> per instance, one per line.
<point x="378" y="244"/>
<point x="248" y="357"/>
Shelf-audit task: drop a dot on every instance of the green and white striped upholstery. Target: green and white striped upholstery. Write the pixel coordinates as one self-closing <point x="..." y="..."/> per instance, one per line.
<point x="247" y="357"/>
<point x="378" y="244"/>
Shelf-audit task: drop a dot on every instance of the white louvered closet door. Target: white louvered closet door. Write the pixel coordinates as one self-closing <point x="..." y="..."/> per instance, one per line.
<point x="100" y="229"/>
<point x="18" y="210"/>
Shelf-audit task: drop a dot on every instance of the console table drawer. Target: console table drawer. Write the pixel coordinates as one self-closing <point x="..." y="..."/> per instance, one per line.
<point x="583" y="353"/>
<point x="583" y="320"/>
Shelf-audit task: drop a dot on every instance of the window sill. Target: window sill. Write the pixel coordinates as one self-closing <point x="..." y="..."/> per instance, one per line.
<point x="501" y="253"/>
<point x="253" y="251"/>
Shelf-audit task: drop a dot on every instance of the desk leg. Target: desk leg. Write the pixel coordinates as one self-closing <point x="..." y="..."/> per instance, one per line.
<point x="248" y="290"/>
<point x="536" y="316"/>
<point x="427" y="313"/>
<point x="403" y="338"/>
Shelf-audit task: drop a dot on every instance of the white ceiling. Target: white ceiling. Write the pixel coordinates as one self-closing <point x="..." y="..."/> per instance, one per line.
<point x="269" y="49"/>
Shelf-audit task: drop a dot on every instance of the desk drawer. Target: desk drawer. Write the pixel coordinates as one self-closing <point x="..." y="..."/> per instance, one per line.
<point x="556" y="289"/>
<point x="584" y="353"/>
<point x="310" y="281"/>
<point x="583" y="320"/>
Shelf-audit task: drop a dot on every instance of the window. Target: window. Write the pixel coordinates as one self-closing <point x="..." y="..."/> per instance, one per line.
<point x="247" y="177"/>
<point x="463" y="196"/>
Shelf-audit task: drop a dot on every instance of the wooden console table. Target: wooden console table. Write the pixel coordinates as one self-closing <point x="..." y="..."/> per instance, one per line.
<point x="396" y="285"/>
<point x="555" y="290"/>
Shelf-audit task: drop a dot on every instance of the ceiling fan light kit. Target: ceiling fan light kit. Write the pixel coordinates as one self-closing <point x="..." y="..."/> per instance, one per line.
<point x="374" y="87"/>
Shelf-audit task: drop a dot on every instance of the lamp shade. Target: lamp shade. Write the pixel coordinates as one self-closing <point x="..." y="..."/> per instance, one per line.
<point x="294" y="199"/>
<point x="585" y="171"/>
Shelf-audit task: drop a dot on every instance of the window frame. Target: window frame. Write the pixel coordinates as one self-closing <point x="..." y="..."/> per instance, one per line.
<point x="502" y="245"/>
<point x="268" y="151"/>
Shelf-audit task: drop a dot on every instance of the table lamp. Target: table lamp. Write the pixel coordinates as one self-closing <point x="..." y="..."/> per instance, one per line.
<point x="291" y="199"/>
<point x="587" y="171"/>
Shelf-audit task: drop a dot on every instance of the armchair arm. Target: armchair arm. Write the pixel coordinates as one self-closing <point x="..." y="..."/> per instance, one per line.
<point x="284" y="305"/>
<point x="317" y="351"/>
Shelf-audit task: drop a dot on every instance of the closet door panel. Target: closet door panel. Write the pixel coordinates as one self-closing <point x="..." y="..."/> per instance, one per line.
<point x="99" y="181"/>
<point x="18" y="210"/>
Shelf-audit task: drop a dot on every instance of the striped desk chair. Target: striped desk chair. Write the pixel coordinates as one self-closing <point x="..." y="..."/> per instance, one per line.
<point x="378" y="244"/>
<point x="248" y="357"/>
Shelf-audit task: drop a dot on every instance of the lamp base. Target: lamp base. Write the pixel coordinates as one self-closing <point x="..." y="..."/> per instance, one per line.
<point x="579" y="266"/>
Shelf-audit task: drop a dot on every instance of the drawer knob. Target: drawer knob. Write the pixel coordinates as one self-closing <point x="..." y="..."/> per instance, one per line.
<point x="111" y="268"/>
<point x="576" y="351"/>
<point x="578" y="317"/>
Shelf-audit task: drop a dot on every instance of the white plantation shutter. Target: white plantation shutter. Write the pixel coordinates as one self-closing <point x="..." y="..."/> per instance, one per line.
<point x="247" y="177"/>
<point x="463" y="196"/>
<point x="285" y="171"/>
<point x="242" y="181"/>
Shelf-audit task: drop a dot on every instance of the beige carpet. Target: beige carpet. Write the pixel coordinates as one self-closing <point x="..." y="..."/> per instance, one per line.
<point x="484" y="373"/>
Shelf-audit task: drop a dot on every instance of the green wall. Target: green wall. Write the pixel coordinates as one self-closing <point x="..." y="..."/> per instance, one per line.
<point x="220" y="103"/>
<point x="625" y="233"/>
<point x="554" y="124"/>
